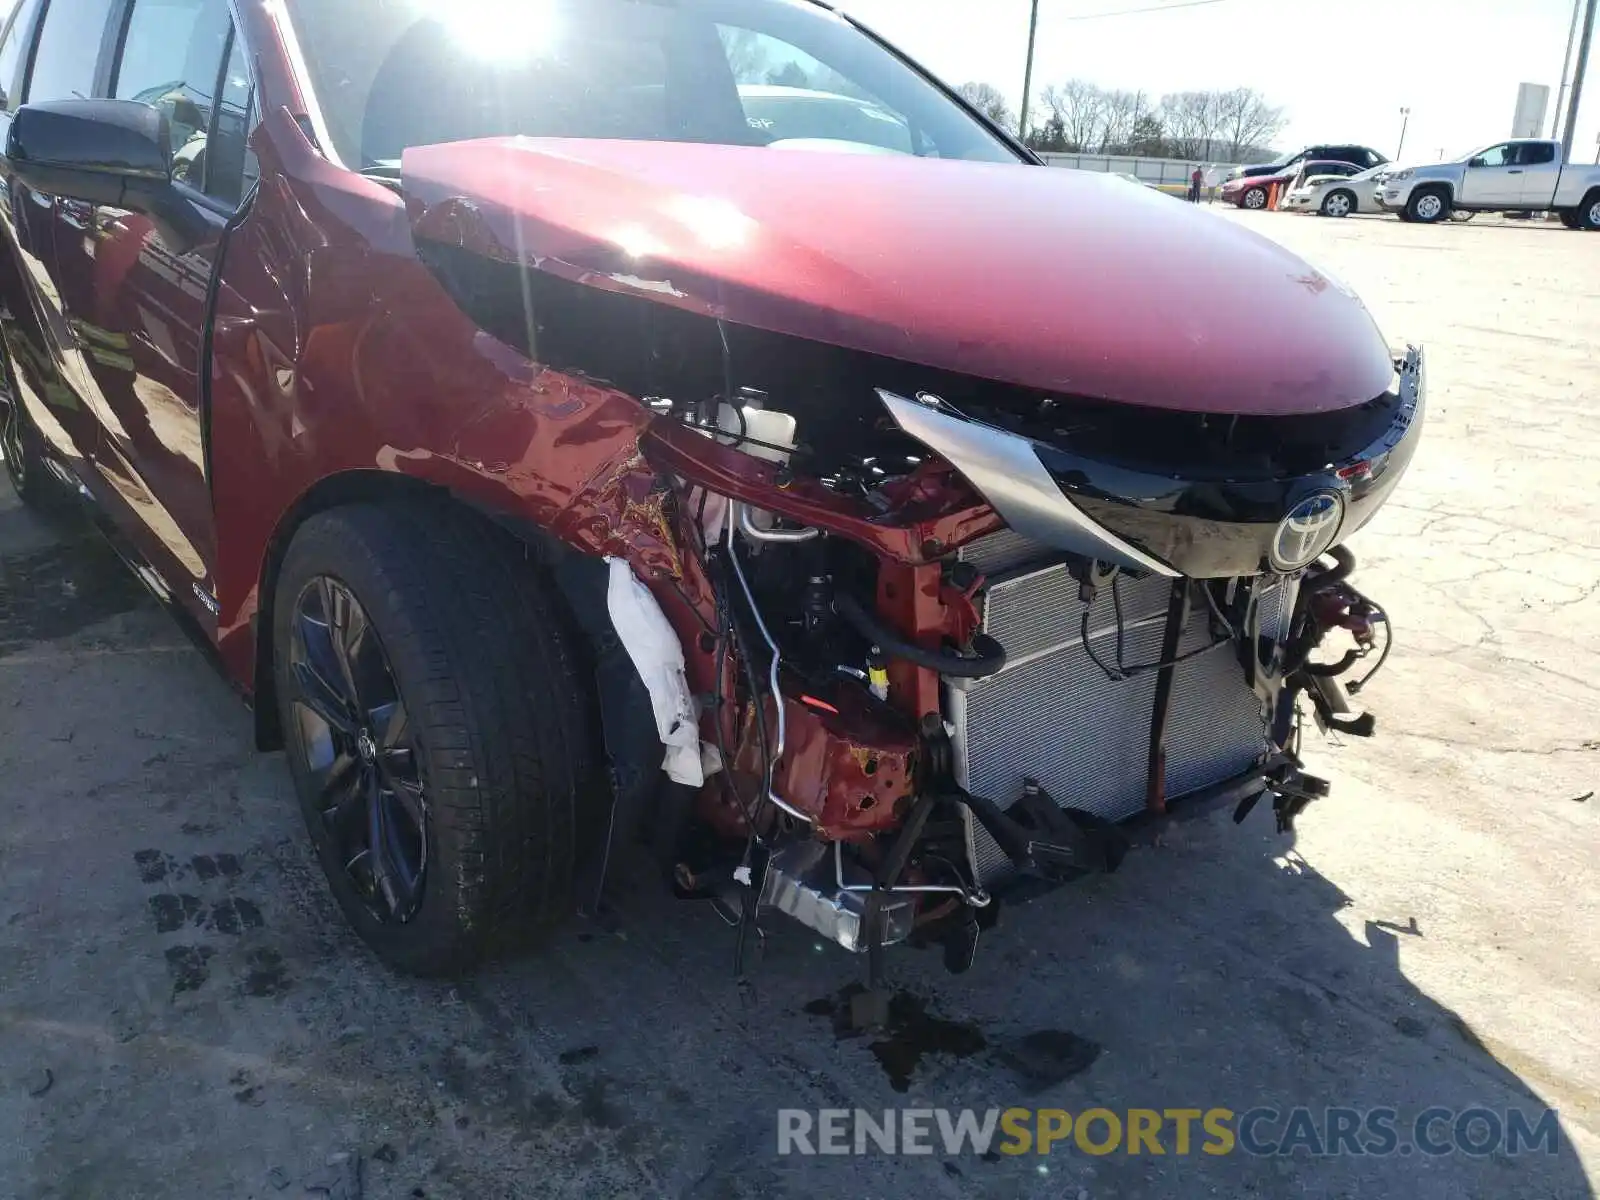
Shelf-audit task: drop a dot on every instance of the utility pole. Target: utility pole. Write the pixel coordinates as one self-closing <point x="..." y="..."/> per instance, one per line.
<point x="1027" y="75"/>
<point x="1566" y="63"/>
<point x="1405" y="119"/>
<point x="1577" y="80"/>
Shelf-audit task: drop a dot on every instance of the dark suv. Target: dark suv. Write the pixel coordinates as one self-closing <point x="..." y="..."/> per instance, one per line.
<point x="579" y="472"/>
<point x="1362" y="157"/>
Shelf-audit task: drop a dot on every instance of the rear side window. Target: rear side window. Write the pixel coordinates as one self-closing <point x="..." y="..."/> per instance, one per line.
<point x="69" y="50"/>
<point x="1536" y="154"/>
<point x="13" y="54"/>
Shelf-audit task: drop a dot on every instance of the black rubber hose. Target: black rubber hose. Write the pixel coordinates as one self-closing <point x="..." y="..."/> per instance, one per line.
<point x="1328" y="670"/>
<point x="990" y="659"/>
<point x="1346" y="567"/>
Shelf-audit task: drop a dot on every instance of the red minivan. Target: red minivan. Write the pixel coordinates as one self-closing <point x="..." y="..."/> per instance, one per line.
<point x="581" y="469"/>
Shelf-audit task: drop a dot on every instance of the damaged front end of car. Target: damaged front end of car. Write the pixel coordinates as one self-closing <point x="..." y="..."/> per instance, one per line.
<point x="999" y="691"/>
<point x="918" y="640"/>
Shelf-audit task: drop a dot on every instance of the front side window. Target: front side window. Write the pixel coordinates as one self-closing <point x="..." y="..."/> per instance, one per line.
<point x="1497" y="156"/>
<point x="69" y="50"/>
<point x="390" y="74"/>
<point x="175" y="56"/>
<point x="788" y="96"/>
<point x="171" y="57"/>
<point x="13" y="52"/>
<point x="233" y="169"/>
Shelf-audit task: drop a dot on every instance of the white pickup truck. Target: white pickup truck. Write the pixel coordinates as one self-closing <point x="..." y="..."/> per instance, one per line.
<point x="1522" y="175"/>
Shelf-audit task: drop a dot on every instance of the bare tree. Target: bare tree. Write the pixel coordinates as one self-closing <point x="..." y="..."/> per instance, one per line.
<point x="1119" y="116"/>
<point x="1193" y="123"/>
<point x="990" y="101"/>
<point x="1079" y="106"/>
<point x="1201" y="126"/>
<point x="1248" y="120"/>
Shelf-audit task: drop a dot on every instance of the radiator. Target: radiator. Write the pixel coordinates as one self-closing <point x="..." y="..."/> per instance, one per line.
<point x="1054" y="716"/>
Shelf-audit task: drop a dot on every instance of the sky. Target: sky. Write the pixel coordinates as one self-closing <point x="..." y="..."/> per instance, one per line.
<point x="1342" y="71"/>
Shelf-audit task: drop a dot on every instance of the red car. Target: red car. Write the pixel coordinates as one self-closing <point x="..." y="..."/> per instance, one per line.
<point x="577" y="477"/>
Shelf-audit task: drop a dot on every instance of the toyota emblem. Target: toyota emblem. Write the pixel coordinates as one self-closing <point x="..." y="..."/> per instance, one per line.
<point x="1307" y="531"/>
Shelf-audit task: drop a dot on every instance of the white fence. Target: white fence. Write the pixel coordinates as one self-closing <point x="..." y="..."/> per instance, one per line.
<point x="1168" y="172"/>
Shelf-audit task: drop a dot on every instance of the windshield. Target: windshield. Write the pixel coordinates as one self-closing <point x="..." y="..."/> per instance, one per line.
<point x="390" y="74"/>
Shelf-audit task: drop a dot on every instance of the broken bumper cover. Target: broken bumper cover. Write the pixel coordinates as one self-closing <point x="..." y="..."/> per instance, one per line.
<point x="1210" y="528"/>
<point x="1182" y="519"/>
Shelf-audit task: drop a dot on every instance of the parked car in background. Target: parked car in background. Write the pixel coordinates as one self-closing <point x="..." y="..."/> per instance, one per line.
<point x="1252" y="191"/>
<point x="1521" y="175"/>
<point x="559" y="465"/>
<point x="1333" y="189"/>
<point x="1361" y="157"/>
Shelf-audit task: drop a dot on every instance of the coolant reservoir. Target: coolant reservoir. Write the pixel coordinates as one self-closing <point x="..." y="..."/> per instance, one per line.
<point x="775" y="429"/>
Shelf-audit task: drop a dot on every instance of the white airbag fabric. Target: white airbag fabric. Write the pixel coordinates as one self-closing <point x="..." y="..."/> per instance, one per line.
<point x="657" y="655"/>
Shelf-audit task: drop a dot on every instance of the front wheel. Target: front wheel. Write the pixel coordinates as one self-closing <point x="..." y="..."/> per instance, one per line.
<point x="1254" y="199"/>
<point x="435" y="721"/>
<point x="20" y="446"/>
<point x="1338" y="203"/>
<point x="1429" y="206"/>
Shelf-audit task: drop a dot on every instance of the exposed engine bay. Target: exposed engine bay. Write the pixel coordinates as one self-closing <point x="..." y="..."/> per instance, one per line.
<point x="952" y="641"/>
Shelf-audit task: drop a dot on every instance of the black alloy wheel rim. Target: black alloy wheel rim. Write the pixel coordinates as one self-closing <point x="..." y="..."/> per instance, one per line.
<point x="357" y="747"/>
<point x="11" y="437"/>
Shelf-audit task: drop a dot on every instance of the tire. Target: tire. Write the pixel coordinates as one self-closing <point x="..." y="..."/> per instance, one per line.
<point x="1568" y="217"/>
<point x="1340" y="202"/>
<point x="1588" y="214"/>
<point x="1255" y="199"/>
<point x="1429" y="206"/>
<point x="478" y="782"/>
<point x="21" y="447"/>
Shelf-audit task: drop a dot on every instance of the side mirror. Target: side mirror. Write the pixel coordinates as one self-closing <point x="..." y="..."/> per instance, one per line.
<point x="1475" y="162"/>
<point x="112" y="152"/>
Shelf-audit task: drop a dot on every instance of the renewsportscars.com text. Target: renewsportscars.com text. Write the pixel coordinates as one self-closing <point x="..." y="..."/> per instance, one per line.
<point x="1177" y="1131"/>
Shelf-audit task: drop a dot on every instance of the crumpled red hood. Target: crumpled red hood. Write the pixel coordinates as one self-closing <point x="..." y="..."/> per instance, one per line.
<point x="1061" y="280"/>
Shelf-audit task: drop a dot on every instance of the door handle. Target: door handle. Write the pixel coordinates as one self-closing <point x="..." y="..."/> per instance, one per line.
<point x="1514" y="171"/>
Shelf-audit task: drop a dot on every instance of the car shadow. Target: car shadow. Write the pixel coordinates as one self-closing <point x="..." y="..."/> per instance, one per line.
<point x="1216" y="970"/>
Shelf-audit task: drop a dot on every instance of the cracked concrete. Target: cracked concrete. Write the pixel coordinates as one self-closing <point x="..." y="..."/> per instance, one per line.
<point x="170" y="959"/>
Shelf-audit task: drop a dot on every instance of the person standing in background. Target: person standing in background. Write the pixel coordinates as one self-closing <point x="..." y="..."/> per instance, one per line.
<point x="1196" y="181"/>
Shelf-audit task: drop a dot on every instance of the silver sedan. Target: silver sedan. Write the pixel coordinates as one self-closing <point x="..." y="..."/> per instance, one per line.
<point x="1333" y="193"/>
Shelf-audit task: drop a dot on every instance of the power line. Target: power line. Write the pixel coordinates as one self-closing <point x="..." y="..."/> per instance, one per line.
<point x="1128" y="12"/>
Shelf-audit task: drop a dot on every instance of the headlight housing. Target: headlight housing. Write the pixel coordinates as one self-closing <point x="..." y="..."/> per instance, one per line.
<point x="1406" y="174"/>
